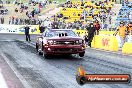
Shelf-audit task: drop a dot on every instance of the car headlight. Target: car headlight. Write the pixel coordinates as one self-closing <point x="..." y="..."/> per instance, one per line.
<point x="80" y="41"/>
<point x="77" y="42"/>
<point x="50" y="42"/>
<point x="54" y="42"/>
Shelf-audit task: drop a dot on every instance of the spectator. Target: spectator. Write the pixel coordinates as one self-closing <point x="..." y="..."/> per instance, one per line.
<point x="103" y="16"/>
<point x="33" y="13"/>
<point x="105" y="26"/>
<point x="41" y="28"/>
<point x="129" y="28"/>
<point x="16" y="10"/>
<point x="22" y="6"/>
<point x="27" y="33"/>
<point x="97" y="26"/>
<point x="2" y="20"/>
<point x="122" y="32"/>
<point x="55" y="25"/>
<point x="20" y="21"/>
<point x="21" y="10"/>
<point x="10" y="20"/>
<point x="27" y="13"/>
<point x="91" y="32"/>
<point x="13" y="20"/>
<point x="86" y="39"/>
<point x="16" y="21"/>
<point x="110" y="18"/>
<point x="2" y="12"/>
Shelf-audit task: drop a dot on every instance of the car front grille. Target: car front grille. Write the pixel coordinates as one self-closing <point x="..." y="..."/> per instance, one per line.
<point x="66" y="49"/>
<point x="65" y="43"/>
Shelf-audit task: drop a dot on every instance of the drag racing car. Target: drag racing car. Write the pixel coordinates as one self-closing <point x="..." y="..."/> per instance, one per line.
<point x="59" y="42"/>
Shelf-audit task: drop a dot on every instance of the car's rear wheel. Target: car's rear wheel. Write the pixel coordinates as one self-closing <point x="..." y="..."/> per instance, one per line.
<point x="39" y="52"/>
<point x="81" y="54"/>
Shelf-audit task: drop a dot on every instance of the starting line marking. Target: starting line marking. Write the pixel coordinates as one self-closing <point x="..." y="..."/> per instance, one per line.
<point x="2" y="81"/>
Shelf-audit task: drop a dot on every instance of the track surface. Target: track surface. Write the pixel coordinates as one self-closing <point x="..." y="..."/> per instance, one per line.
<point x="34" y="71"/>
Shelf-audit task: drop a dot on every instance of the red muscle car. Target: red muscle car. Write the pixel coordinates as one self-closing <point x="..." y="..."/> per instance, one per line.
<point x="59" y="42"/>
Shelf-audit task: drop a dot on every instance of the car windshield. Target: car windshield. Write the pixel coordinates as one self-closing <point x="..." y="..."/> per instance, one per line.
<point x="59" y="33"/>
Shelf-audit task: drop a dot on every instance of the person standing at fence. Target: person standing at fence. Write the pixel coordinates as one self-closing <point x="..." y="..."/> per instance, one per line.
<point x="33" y="12"/>
<point x="122" y="29"/>
<point x="10" y="20"/>
<point x="27" y="33"/>
<point x="97" y="26"/>
<point x="86" y="38"/>
<point x="13" y="19"/>
<point x="41" y="28"/>
<point x="129" y="28"/>
<point x="2" y="20"/>
<point x="110" y="18"/>
<point x="91" y="32"/>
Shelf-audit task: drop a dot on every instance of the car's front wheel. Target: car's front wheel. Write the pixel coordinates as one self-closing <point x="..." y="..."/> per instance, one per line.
<point x="38" y="50"/>
<point x="36" y="46"/>
<point x="81" y="54"/>
<point x="45" y="56"/>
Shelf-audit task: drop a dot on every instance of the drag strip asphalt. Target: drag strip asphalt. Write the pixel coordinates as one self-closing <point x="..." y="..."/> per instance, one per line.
<point x="59" y="71"/>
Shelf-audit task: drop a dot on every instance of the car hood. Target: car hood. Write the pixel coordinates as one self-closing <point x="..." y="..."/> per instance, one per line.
<point x="67" y="38"/>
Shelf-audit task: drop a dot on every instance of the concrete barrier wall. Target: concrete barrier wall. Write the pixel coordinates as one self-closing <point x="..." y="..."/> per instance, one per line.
<point x="105" y="42"/>
<point x="127" y="48"/>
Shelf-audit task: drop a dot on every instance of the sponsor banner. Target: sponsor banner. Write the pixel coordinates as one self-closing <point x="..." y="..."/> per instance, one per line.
<point x="18" y="29"/>
<point x="105" y="42"/>
<point x="82" y="32"/>
<point x="9" y="29"/>
<point x="83" y="78"/>
<point x="34" y="29"/>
